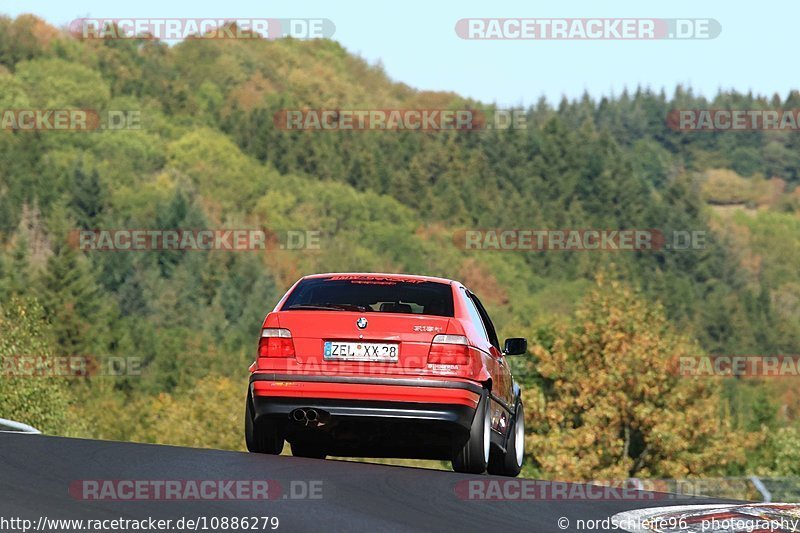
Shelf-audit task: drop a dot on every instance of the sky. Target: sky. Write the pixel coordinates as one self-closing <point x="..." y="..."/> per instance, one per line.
<point x="417" y="44"/>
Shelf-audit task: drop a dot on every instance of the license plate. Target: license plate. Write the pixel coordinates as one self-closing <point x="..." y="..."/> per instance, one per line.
<point x="360" y="351"/>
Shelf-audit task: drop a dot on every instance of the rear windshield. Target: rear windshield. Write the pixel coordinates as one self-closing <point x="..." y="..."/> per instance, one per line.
<point x="372" y="294"/>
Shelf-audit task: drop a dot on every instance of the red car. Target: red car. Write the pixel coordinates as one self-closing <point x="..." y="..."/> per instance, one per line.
<point x="386" y="365"/>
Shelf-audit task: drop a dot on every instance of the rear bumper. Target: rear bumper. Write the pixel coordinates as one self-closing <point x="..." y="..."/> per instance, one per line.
<point x="364" y="410"/>
<point x="376" y="398"/>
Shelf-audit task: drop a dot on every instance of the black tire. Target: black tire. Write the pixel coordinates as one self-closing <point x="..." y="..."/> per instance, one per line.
<point x="473" y="458"/>
<point x="264" y="436"/>
<point x="510" y="463"/>
<point x="305" y="449"/>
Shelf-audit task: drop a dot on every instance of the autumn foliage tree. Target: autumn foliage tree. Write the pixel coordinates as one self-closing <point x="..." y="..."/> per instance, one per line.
<point x="611" y="403"/>
<point x="28" y="394"/>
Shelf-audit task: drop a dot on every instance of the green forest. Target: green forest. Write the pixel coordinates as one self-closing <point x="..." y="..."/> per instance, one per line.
<point x="603" y="327"/>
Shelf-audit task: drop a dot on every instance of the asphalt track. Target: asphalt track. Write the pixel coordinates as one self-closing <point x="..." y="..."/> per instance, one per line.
<point x="36" y="473"/>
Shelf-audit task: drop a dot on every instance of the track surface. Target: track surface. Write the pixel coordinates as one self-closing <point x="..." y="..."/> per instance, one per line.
<point x="36" y="472"/>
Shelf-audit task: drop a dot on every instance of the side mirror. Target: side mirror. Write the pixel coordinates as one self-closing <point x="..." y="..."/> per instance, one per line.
<point x="515" y="346"/>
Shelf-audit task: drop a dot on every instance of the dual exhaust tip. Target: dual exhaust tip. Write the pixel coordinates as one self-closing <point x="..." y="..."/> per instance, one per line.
<point x="309" y="416"/>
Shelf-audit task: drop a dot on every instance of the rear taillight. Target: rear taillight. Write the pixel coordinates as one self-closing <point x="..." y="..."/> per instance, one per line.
<point x="275" y="342"/>
<point x="449" y="350"/>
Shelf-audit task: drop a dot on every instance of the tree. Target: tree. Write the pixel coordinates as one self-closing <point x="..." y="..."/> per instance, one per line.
<point x="71" y="297"/>
<point x="87" y="197"/>
<point x="612" y="405"/>
<point x="38" y="400"/>
<point x="15" y="271"/>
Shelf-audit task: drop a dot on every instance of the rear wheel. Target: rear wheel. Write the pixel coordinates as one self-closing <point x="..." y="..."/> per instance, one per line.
<point x="306" y="449"/>
<point x="473" y="458"/>
<point x="510" y="463"/>
<point x="262" y="436"/>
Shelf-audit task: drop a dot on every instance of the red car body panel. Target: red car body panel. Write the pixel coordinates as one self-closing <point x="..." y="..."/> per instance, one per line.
<point x="355" y="391"/>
